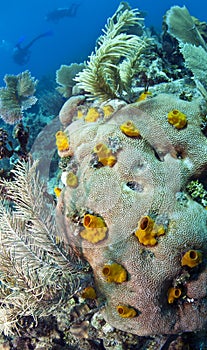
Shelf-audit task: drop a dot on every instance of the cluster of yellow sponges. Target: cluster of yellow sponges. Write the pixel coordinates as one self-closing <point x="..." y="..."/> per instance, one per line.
<point x="125" y="311"/>
<point x="129" y="129"/>
<point x="94" y="113"/>
<point x="105" y="155"/>
<point x="114" y="273"/>
<point x="177" y="119"/>
<point x="148" y="230"/>
<point x="62" y="143"/>
<point x="71" y="180"/>
<point x="117" y="274"/>
<point x="95" y="228"/>
<point x="173" y="293"/>
<point x="191" y="258"/>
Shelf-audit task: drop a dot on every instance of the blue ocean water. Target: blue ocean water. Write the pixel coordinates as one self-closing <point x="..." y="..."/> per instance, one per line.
<point x="73" y="38"/>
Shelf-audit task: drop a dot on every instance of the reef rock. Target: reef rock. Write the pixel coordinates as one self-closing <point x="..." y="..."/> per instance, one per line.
<point x="131" y="218"/>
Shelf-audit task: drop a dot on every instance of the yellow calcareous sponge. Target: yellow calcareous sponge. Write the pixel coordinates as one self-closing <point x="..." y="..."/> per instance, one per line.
<point x="129" y="129"/>
<point x="92" y="115"/>
<point x="107" y="110"/>
<point x="177" y="119"/>
<point x="72" y="180"/>
<point x="105" y="155"/>
<point x="114" y="273"/>
<point x="148" y="231"/>
<point x="89" y="293"/>
<point x="125" y="311"/>
<point x="95" y="228"/>
<point x="62" y="142"/>
<point x="92" y="221"/>
<point x="143" y="96"/>
<point x="57" y="191"/>
<point x="173" y="293"/>
<point x="191" y="258"/>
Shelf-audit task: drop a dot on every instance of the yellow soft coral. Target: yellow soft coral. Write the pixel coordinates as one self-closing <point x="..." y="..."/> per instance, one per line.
<point x="191" y="258"/>
<point x="129" y="129"/>
<point x="114" y="273"/>
<point x="148" y="231"/>
<point x="95" y="228"/>
<point x="125" y="311"/>
<point x="105" y="155"/>
<point x="173" y="293"/>
<point x="177" y="119"/>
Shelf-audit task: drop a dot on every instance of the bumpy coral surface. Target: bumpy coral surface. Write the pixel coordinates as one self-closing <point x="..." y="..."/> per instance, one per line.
<point x="144" y="188"/>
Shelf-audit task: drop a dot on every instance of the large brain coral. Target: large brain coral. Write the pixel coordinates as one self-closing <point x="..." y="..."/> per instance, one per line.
<point x="134" y="216"/>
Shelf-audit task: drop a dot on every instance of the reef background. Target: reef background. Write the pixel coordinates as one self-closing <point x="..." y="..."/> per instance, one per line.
<point x="72" y="41"/>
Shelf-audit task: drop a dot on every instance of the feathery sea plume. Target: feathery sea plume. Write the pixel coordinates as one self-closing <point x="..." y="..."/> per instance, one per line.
<point x="37" y="273"/>
<point x="111" y="67"/>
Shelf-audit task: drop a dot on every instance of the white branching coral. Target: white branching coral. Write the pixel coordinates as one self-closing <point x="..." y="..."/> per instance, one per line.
<point x="111" y="67"/>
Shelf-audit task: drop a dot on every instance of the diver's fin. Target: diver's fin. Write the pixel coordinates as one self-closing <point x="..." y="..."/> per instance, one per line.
<point x="48" y="33"/>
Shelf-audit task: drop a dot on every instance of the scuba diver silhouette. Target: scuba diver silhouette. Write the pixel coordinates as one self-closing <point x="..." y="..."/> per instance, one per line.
<point x="21" y="55"/>
<point x="62" y="12"/>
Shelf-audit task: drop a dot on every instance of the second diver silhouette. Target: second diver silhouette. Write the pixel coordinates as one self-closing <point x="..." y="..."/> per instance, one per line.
<point x="62" y="12"/>
<point x="21" y="55"/>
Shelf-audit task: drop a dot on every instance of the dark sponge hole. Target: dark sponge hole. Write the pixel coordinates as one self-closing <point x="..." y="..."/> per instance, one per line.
<point x="135" y="186"/>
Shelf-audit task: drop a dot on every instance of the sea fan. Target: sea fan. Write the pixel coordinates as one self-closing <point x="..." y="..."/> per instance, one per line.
<point x="37" y="274"/>
<point x="17" y="96"/>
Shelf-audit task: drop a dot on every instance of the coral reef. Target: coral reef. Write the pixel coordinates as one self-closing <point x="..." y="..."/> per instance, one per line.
<point x="159" y="163"/>
<point x="123" y="254"/>
<point x="17" y="96"/>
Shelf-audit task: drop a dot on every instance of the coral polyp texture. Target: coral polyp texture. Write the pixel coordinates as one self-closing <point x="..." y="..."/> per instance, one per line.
<point x="142" y="221"/>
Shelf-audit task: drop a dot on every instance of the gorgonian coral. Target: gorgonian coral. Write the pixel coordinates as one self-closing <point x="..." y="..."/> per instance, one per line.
<point x="111" y="67"/>
<point x="17" y="96"/>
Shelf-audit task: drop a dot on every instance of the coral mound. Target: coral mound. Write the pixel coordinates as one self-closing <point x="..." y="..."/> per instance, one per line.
<point x="148" y="179"/>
